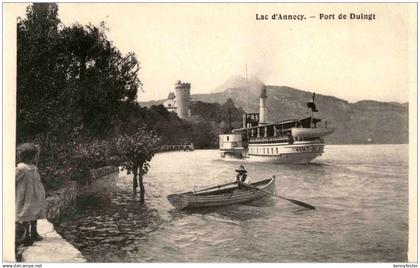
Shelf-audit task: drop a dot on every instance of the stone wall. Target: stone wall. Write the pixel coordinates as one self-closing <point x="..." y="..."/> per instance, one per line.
<point x="100" y="173"/>
<point x="62" y="202"/>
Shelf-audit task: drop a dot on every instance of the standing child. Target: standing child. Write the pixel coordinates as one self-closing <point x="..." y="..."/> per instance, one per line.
<point x="30" y="193"/>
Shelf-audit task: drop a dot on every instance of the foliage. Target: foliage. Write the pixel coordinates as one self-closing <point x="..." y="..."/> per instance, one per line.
<point x="38" y="76"/>
<point x="219" y="114"/>
<point x="203" y="135"/>
<point x="70" y="79"/>
<point x="74" y="92"/>
<point x="56" y="166"/>
<point x="102" y="80"/>
<point x="76" y="97"/>
<point x="97" y="153"/>
<point x="170" y="128"/>
<point x="136" y="150"/>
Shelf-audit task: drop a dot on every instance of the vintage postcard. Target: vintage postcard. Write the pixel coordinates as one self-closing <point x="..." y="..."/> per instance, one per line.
<point x="210" y="133"/>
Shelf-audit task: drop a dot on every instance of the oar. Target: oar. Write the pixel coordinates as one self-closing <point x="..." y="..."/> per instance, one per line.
<point x="297" y="202"/>
<point x="217" y="186"/>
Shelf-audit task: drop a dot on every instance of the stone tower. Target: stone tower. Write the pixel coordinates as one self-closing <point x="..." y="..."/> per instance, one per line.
<point x="182" y="96"/>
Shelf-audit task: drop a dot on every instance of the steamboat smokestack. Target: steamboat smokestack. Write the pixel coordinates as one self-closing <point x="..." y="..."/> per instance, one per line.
<point x="263" y="108"/>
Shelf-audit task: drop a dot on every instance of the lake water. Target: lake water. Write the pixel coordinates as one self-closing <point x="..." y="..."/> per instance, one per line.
<point x="360" y="193"/>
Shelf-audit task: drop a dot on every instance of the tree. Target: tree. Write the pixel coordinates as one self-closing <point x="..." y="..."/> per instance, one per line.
<point x="135" y="152"/>
<point x="38" y="75"/>
<point x="203" y="135"/>
<point x="70" y="79"/>
<point x="74" y="90"/>
<point x="101" y="80"/>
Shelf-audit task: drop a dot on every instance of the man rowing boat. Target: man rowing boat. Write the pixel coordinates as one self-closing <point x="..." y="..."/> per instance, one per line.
<point x="242" y="174"/>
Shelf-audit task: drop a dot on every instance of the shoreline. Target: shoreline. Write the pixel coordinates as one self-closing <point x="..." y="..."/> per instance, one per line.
<point x="326" y="144"/>
<point x="61" y="204"/>
<point x="52" y="248"/>
<point x="110" y="220"/>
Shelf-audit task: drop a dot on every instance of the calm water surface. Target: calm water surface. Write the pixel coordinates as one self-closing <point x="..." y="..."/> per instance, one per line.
<point x="360" y="192"/>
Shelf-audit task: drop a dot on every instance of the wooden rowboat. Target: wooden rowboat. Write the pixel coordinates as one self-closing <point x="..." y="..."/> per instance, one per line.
<point x="222" y="197"/>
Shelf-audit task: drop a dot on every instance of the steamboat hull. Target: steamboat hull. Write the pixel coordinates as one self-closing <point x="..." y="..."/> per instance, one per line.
<point x="292" y="158"/>
<point x="298" y="153"/>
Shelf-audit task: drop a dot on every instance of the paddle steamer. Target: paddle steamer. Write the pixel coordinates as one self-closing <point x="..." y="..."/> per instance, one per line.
<point x="295" y="141"/>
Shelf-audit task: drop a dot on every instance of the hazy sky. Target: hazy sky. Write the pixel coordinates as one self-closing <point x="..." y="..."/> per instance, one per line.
<point x="205" y="44"/>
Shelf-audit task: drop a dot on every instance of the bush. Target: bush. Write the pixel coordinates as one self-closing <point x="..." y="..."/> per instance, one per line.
<point x="70" y="160"/>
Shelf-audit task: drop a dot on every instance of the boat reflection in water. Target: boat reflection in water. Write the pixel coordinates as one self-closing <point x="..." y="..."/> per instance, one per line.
<point x="296" y="141"/>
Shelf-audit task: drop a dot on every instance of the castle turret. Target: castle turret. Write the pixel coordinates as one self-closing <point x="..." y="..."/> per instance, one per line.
<point x="182" y="96"/>
<point x="263" y="108"/>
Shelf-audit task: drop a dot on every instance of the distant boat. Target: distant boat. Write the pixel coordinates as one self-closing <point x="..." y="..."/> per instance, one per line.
<point x="230" y="194"/>
<point x="294" y="141"/>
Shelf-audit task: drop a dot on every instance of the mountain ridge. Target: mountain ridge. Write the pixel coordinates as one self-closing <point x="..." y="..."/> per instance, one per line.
<point x="365" y="121"/>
